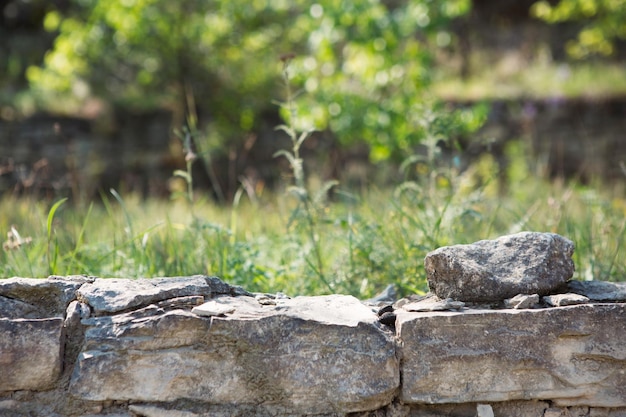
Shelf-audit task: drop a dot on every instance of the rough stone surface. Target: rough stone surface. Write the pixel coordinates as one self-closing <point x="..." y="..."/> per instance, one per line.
<point x="569" y="355"/>
<point x="599" y="290"/>
<point x="111" y="295"/>
<point x="74" y="346"/>
<point x="434" y="304"/>
<point x="256" y="355"/>
<point x="37" y="298"/>
<point x="30" y="353"/>
<point x="494" y="270"/>
<point x="521" y="301"/>
<point x="484" y="410"/>
<point x="569" y="299"/>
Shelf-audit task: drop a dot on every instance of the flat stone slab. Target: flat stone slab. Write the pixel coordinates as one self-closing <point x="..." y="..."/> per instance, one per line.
<point x="308" y="354"/>
<point x="36" y="297"/>
<point x="111" y="295"/>
<point x="599" y="290"/>
<point x="495" y="270"/>
<point x="570" y="355"/>
<point x="30" y="353"/>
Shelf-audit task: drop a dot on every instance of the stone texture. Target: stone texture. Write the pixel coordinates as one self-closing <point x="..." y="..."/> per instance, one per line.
<point x="37" y="298"/>
<point x="484" y="410"/>
<point x="434" y="304"/>
<point x="599" y="290"/>
<point x="521" y="301"/>
<point x="30" y="353"/>
<point x="307" y="354"/>
<point x="106" y="296"/>
<point x="494" y="270"/>
<point x="569" y="355"/>
<point x="568" y="299"/>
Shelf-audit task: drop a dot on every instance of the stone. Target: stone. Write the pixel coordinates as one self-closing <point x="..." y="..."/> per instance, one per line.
<point x="213" y="308"/>
<point x="110" y="295"/>
<point x="599" y="290"/>
<point x="553" y="412"/>
<point x="484" y="410"/>
<point x="434" y="304"/>
<point x="568" y="299"/>
<point x="36" y="298"/>
<point x="568" y="355"/>
<point x="76" y="311"/>
<point x="521" y="301"/>
<point x="152" y="411"/>
<point x="30" y="353"/>
<point x="309" y="355"/>
<point x="520" y="408"/>
<point x="494" y="270"/>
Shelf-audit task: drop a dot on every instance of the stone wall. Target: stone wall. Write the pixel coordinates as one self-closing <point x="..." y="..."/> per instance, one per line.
<point x="50" y="155"/>
<point x="196" y="346"/>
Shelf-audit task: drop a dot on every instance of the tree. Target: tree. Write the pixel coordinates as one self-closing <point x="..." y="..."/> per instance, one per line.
<point x="605" y="23"/>
<point x="364" y="65"/>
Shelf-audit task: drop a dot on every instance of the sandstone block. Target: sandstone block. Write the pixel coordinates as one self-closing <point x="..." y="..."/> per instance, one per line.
<point x="307" y="354"/>
<point x="494" y="270"/>
<point x="30" y="353"/>
<point x="569" y="355"/>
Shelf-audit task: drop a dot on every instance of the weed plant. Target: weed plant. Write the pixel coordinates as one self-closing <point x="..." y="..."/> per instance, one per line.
<point x="369" y="242"/>
<point x="358" y="244"/>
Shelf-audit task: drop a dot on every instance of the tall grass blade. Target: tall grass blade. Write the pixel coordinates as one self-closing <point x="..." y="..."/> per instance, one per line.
<point x="52" y="260"/>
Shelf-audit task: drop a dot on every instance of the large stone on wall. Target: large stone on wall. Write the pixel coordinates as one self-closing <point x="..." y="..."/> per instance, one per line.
<point x="310" y="355"/>
<point x="30" y="353"/>
<point x="494" y="270"/>
<point x="571" y="355"/>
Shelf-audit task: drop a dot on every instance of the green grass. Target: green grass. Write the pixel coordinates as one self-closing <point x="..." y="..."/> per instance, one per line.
<point x="512" y="77"/>
<point x="366" y="241"/>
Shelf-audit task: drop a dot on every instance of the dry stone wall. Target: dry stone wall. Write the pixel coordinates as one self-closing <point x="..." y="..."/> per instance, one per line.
<point x="198" y="347"/>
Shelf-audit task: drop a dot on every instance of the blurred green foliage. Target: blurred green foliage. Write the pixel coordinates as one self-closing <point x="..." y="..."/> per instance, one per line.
<point x="605" y="23"/>
<point x="363" y="65"/>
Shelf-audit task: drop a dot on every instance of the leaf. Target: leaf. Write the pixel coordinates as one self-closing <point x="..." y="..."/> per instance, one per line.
<point x="322" y="193"/>
<point x="290" y="157"/>
<point x="51" y="214"/>
<point x="303" y="136"/>
<point x="288" y="130"/>
<point x="184" y="174"/>
<point x="413" y="159"/>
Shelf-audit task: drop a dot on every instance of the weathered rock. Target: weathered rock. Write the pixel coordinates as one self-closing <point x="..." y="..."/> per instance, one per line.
<point x="213" y="308"/>
<point x="76" y="312"/>
<point x="112" y="295"/>
<point x="484" y="410"/>
<point x="434" y="304"/>
<point x="599" y="290"/>
<point x="37" y="298"/>
<point x="30" y="353"/>
<point x="568" y="299"/>
<point x="569" y="355"/>
<point x="521" y="301"/>
<point x="307" y="354"/>
<point x="494" y="270"/>
<point x="153" y="411"/>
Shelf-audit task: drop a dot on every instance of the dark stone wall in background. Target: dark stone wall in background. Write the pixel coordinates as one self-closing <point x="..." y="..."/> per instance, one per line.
<point x="48" y="155"/>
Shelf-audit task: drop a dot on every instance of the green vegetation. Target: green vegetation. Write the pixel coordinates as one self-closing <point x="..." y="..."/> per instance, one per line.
<point x="363" y="71"/>
<point x="604" y="23"/>
<point x="368" y="242"/>
<point x="539" y="79"/>
<point x="365" y="66"/>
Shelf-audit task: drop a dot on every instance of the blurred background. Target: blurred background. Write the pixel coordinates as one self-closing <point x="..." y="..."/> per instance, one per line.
<point x="111" y="94"/>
